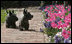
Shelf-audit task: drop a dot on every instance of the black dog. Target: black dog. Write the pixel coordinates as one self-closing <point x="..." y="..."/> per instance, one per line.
<point x="11" y="19"/>
<point x="24" y="24"/>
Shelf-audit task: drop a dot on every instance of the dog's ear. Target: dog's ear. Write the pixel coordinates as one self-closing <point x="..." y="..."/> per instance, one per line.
<point x="6" y="11"/>
<point x="25" y="12"/>
<point x="12" y="11"/>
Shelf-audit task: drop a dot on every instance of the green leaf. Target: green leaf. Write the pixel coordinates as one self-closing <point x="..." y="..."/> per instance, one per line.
<point x="67" y="13"/>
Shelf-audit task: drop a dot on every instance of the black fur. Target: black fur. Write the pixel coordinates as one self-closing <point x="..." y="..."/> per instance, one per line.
<point x="11" y="19"/>
<point x="24" y="24"/>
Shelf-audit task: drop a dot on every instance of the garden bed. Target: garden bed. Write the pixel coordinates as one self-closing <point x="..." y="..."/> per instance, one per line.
<point x="57" y="22"/>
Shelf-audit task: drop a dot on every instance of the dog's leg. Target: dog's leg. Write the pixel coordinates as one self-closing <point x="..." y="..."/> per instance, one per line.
<point x="13" y="25"/>
<point x="7" y="26"/>
<point x="27" y="27"/>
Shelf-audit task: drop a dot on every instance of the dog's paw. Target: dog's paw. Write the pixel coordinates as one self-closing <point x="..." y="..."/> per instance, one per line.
<point x="21" y="29"/>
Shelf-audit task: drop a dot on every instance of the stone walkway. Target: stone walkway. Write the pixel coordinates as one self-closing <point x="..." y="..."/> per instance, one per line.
<point x="9" y="35"/>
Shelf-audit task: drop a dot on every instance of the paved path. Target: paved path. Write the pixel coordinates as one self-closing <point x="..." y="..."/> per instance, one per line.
<point x="9" y="35"/>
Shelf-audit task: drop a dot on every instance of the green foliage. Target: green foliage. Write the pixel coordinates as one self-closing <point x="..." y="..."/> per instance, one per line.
<point x="67" y="13"/>
<point x="3" y="15"/>
<point x="51" y="31"/>
<point x="52" y="40"/>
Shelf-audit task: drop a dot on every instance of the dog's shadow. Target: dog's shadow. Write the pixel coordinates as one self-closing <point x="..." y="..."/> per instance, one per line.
<point x="26" y="30"/>
<point x="31" y="30"/>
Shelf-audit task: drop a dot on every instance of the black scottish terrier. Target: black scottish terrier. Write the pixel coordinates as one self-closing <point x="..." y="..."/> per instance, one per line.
<point x="24" y="24"/>
<point x="11" y="19"/>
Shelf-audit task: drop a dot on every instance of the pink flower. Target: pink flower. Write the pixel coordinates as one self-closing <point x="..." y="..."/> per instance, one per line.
<point x="69" y="15"/>
<point x="60" y="23"/>
<point x="45" y="10"/>
<point x="54" y="25"/>
<point x="56" y="10"/>
<point x="56" y="14"/>
<point x="48" y="11"/>
<point x="59" y="14"/>
<point x="65" y="25"/>
<point x="54" y="18"/>
<point x="63" y="14"/>
<point x="51" y="8"/>
<point x="64" y="34"/>
<point x="51" y="19"/>
<point x="57" y="6"/>
<point x="51" y="5"/>
<point x="46" y="7"/>
<point x="69" y="32"/>
<point x="62" y="17"/>
<point x="67" y="20"/>
<point x="65" y="11"/>
<point x="68" y="9"/>
<point x="47" y="19"/>
<point x="59" y="26"/>
<point x="51" y="15"/>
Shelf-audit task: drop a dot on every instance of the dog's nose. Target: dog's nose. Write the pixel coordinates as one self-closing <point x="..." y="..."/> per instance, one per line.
<point x="32" y="16"/>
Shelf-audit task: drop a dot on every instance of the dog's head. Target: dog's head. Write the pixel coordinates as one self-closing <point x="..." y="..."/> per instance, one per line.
<point x="11" y="15"/>
<point x="27" y="15"/>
